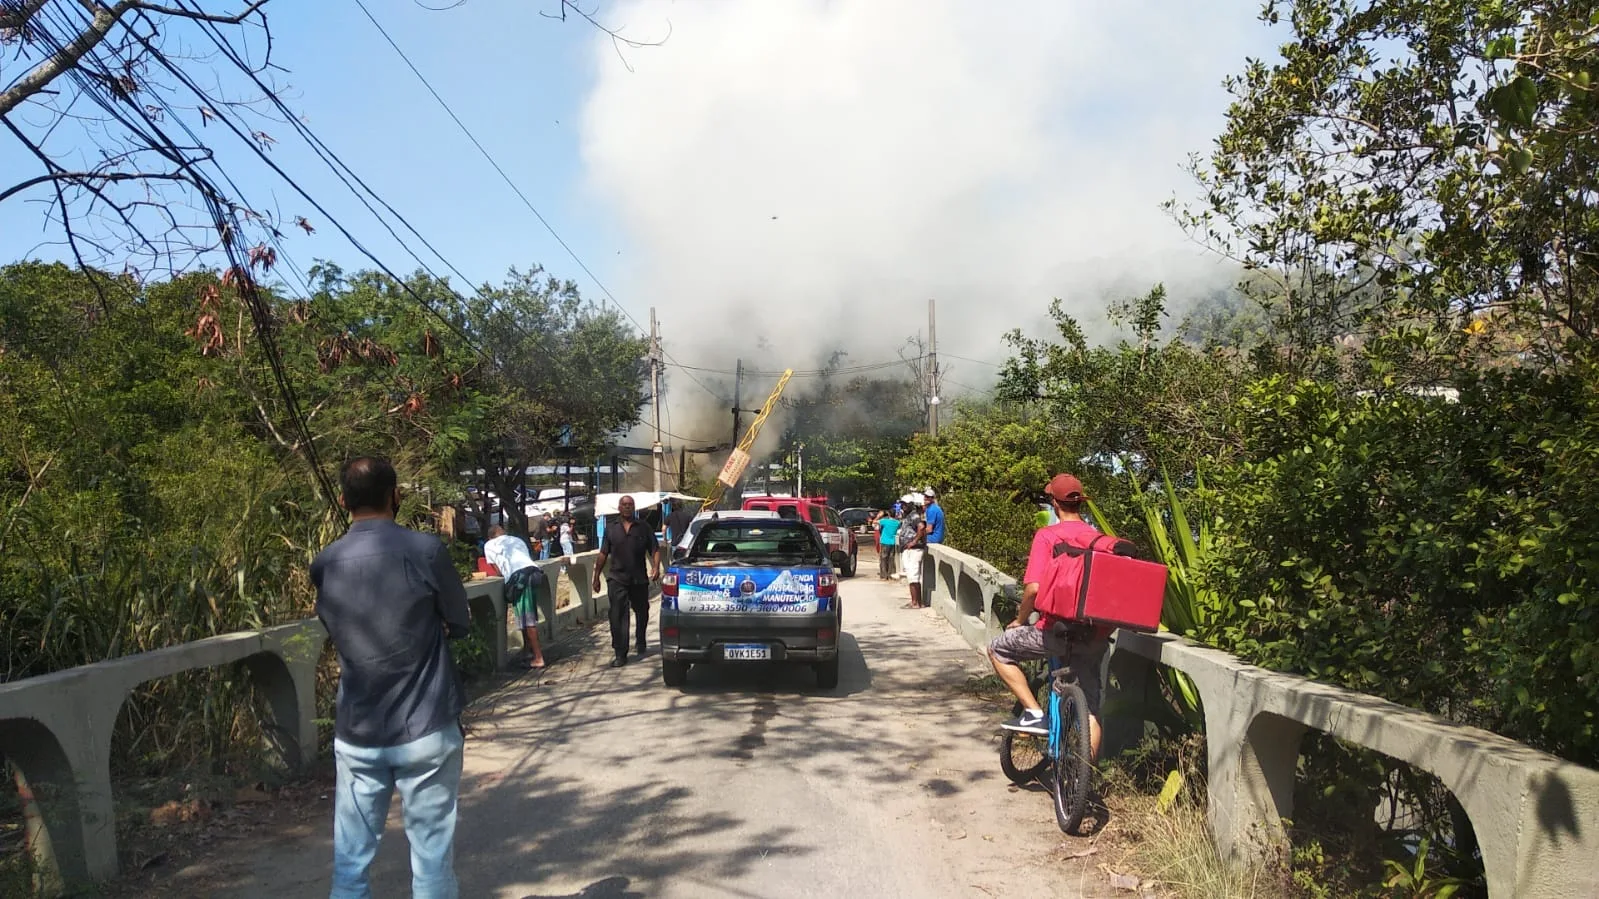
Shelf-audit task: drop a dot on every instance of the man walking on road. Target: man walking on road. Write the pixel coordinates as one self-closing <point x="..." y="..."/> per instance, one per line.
<point x="523" y="580"/>
<point x="627" y="545"/>
<point x="389" y="597"/>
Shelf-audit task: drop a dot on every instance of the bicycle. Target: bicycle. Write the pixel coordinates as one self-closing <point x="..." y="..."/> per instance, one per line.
<point x="1064" y="754"/>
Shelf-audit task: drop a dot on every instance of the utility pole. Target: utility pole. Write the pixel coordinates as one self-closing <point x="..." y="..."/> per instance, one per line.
<point x="738" y="377"/>
<point x="932" y="371"/>
<point x="655" y="389"/>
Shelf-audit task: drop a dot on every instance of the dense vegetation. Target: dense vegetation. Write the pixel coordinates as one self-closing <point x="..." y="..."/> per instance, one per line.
<point x="1390" y="432"/>
<point x="156" y="488"/>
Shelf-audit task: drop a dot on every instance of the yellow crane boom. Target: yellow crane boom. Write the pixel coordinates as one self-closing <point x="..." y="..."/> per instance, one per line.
<point x="740" y="457"/>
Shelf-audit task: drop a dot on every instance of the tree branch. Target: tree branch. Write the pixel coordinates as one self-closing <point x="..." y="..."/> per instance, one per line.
<point x="195" y="14"/>
<point x="105" y="18"/>
<point x="78" y="177"/>
<point x="17" y="19"/>
<point x="62" y="60"/>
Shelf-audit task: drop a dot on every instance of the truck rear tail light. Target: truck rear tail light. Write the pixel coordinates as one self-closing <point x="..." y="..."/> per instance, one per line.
<point x="669" y="584"/>
<point x="826" y="585"/>
<point x="825" y="634"/>
<point x="670" y="633"/>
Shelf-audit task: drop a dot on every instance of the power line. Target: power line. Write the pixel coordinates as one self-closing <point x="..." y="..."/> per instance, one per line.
<point x="808" y="373"/>
<point x="978" y="361"/>
<point x="514" y="188"/>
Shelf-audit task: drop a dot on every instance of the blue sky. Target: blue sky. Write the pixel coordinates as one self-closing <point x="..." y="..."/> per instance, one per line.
<point x="516" y="78"/>
<point x="804" y="172"/>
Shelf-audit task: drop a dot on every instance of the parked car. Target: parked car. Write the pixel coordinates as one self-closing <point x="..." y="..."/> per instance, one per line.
<point x="857" y="519"/>
<point x="841" y="543"/>
<point x="751" y="589"/>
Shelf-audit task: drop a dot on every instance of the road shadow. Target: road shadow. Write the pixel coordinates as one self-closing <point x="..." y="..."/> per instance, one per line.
<point x="609" y="888"/>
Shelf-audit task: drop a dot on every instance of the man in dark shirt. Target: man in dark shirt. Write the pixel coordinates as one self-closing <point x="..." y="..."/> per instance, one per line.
<point x="677" y="523"/>
<point x="628" y="543"/>
<point x="388" y="597"/>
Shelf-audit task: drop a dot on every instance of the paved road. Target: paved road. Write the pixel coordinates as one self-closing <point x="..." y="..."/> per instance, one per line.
<point x="597" y="782"/>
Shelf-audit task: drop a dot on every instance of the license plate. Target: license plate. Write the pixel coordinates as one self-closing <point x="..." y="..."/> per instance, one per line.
<point x="746" y="652"/>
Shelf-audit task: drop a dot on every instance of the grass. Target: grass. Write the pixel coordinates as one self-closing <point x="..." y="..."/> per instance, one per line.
<point x="1168" y="842"/>
<point x="1173" y="848"/>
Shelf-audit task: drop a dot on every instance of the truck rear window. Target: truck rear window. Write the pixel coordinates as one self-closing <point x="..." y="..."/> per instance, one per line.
<point x="757" y="543"/>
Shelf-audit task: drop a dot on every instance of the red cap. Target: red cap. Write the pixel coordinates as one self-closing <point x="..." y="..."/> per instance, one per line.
<point x="1065" y="488"/>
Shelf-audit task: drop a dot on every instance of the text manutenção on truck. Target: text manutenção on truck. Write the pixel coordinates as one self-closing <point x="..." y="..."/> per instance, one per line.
<point x="751" y="590"/>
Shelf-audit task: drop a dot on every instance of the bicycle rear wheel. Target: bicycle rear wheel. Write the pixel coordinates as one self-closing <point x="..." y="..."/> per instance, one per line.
<point x="1070" y="769"/>
<point x="1023" y="757"/>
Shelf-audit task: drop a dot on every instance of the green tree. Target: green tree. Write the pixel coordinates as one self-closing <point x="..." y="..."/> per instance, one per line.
<point x="564" y="374"/>
<point x="1147" y="403"/>
<point x="1438" y="157"/>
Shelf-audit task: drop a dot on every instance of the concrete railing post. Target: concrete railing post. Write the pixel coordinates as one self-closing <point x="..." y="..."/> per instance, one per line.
<point x="1131" y="689"/>
<point x="284" y="675"/>
<point x="1253" y="759"/>
<point x="486" y="599"/>
<point x="91" y="769"/>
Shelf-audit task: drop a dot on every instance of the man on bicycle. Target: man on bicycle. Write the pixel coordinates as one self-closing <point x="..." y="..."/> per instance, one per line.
<point x="1082" y="645"/>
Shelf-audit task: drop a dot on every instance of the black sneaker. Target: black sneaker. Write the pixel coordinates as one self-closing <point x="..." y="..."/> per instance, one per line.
<point x="1030" y="721"/>
<point x="641" y="651"/>
<point x="619" y="661"/>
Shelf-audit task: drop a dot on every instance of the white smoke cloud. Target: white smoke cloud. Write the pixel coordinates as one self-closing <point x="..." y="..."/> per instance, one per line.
<point x="811" y="172"/>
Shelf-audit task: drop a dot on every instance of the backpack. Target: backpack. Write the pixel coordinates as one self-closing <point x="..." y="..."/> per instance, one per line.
<point x="1100" y="582"/>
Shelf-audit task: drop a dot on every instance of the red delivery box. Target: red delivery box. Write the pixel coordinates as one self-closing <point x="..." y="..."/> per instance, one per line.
<point x="1113" y="590"/>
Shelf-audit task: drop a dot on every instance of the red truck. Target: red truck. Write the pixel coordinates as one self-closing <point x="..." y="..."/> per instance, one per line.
<point x="840" y="540"/>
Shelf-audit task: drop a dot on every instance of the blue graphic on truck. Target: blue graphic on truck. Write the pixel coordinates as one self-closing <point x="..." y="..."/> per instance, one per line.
<point x="748" y="590"/>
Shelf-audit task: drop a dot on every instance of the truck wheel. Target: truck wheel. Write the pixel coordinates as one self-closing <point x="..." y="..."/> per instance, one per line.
<point x="827" y="674"/>
<point x="848" y="568"/>
<point x="674" y="674"/>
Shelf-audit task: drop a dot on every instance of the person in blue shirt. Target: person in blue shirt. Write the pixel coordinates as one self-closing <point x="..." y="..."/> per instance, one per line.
<point x="935" y="517"/>
<point x="887" y="546"/>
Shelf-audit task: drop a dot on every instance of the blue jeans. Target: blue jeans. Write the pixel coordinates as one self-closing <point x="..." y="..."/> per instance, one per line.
<point x="427" y="772"/>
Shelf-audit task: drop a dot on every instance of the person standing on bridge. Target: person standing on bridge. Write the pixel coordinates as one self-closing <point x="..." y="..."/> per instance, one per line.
<point x="568" y="544"/>
<point x="523" y="581"/>
<point x="389" y="597"/>
<point x="627" y="545"/>
<point x="935" y="517"/>
<point x="887" y="547"/>
<point x="913" y="543"/>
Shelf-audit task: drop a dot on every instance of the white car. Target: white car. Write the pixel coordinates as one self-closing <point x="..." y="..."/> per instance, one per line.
<point x="682" y="546"/>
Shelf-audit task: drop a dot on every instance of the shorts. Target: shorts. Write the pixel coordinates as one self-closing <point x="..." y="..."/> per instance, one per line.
<point x="911" y="562"/>
<point x="1085" y="655"/>
<point x="521" y="594"/>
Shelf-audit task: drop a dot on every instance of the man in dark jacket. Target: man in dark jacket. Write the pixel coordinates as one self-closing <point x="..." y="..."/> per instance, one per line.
<point x="389" y="597"/>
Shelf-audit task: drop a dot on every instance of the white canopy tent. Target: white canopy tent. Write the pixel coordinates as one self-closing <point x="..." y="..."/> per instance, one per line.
<point x="606" y="503"/>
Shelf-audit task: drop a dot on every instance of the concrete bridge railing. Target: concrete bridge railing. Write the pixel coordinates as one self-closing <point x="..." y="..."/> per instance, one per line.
<point x="1536" y="817"/>
<point x="56" y="729"/>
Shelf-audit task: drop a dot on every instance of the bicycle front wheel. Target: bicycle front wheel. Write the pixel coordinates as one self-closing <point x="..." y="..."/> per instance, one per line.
<point x="1022" y="756"/>
<point x="1070" y="768"/>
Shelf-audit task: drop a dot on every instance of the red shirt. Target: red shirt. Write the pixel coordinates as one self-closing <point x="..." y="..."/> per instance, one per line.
<point x="1041" y="569"/>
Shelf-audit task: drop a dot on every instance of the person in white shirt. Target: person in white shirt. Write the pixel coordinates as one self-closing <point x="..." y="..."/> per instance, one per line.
<point x="568" y="547"/>
<point x="522" y="579"/>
